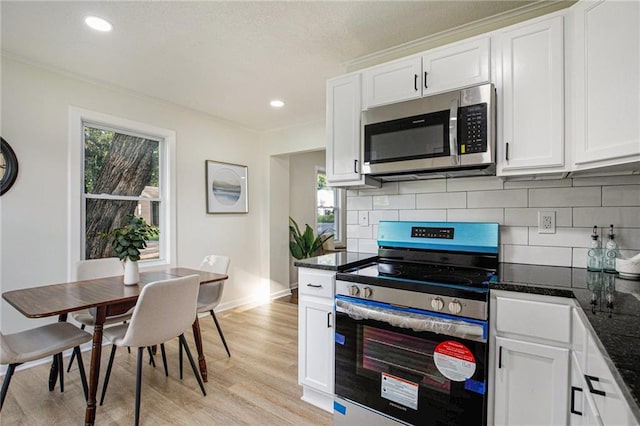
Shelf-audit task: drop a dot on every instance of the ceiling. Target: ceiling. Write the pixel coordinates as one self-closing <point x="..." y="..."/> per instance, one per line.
<point x="226" y="58"/>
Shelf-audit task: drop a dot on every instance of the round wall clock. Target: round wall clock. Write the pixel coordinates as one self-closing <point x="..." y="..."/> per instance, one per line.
<point x="8" y="166"/>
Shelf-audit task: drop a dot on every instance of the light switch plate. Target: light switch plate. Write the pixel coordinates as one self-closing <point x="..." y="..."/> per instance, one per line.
<point x="363" y="218"/>
<point x="546" y="222"/>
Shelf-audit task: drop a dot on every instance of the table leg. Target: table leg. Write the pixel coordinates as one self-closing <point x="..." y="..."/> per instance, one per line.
<point x="198" y="338"/>
<point x="94" y="370"/>
<point x="53" y="372"/>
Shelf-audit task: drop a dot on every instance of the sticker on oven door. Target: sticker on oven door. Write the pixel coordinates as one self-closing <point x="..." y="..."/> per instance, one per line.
<point x="454" y="360"/>
<point x="399" y="390"/>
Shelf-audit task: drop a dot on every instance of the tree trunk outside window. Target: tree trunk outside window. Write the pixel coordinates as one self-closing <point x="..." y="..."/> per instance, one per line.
<point x="125" y="171"/>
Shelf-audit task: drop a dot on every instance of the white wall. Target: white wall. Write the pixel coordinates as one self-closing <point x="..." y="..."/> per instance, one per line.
<point x="578" y="203"/>
<point x="33" y="214"/>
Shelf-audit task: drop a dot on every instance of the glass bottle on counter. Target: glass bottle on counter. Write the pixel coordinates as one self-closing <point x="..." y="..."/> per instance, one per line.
<point x="594" y="255"/>
<point x="610" y="253"/>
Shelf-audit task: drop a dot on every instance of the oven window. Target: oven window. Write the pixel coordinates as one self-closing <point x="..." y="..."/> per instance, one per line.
<point x="400" y="355"/>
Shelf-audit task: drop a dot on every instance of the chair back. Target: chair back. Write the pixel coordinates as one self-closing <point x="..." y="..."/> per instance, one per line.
<point x="210" y="294"/>
<point x="98" y="268"/>
<point x="165" y="309"/>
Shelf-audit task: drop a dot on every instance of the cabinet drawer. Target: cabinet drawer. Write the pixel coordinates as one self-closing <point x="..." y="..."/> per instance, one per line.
<point x="316" y="283"/>
<point x="549" y="321"/>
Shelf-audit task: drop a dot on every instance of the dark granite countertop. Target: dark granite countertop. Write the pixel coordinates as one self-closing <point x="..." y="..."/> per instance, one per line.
<point x="336" y="261"/>
<point x="611" y="304"/>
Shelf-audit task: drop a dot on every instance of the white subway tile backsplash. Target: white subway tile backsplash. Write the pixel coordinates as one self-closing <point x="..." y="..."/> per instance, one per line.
<point x="422" y="186"/>
<point x="368" y="246"/>
<point x="620" y="217"/>
<point x="357" y="231"/>
<point x="565" y="197"/>
<point x="537" y="255"/>
<point x="360" y="203"/>
<point x="622" y="195"/>
<point x="529" y="217"/>
<point x="475" y="215"/>
<point x="627" y="238"/>
<point x="504" y="198"/>
<point x="607" y="180"/>
<point x="352" y="192"/>
<point x="542" y="183"/>
<point x="424" y="215"/>
<point x="441" y="200"/>
<point x="514" y="235"/>
<point x="483" y="183"/>
<point x="389" y="188"/>
<point x="395" y="202"/>
<point x="375" y="216"/>
<point x="564" y="237"/>
<point x="352" y="244"/>
<point x="579" y="258"/>
<point x="352" y="217"/>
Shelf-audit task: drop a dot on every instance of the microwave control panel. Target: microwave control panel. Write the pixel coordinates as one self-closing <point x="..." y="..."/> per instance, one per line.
<point x="472" y="128"/>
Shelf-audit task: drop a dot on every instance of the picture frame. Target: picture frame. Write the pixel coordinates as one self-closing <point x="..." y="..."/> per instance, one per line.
<point x="227" y="187"/>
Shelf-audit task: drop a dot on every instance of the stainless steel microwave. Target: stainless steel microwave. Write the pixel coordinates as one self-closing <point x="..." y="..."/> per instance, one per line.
<point x="445" y="135"/>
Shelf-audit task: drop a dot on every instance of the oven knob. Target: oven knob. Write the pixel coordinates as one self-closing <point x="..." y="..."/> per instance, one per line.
<point x="455" y="307"/>
<point x="354" y="290"/>
<point x="437" y="304"/>
<point x="367" y="292"/>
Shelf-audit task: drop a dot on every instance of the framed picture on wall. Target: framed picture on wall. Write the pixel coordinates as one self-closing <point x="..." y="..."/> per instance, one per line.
<point x="226" y="188"/>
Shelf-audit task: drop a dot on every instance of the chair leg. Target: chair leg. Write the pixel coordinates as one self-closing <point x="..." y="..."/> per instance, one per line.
<point x="5" y="383"/>
<point x="138" y="383"/>
<point x="180" y="356"/>
<point x="224" y="342"/>
<point x="108" y="373"/>
<point x="164" y="360"/>
<point x="193" y="364"/>
<point x="60" y="371"/>
<point x="151" y="360"/>
<point x="83" y="376"/>
<point x="73" y="355"/>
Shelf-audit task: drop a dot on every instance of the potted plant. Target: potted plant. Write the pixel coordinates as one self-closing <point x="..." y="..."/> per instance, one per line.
<point x="127" y="241"/>
<point x="304" y="245"/>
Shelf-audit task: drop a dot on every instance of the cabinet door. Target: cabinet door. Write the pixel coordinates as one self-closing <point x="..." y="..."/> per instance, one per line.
<point x="532" y="107"/>
<point x="531" y="382"/>
<point x="454" y="67"/>
<point x="315" y="343"/>
<point x="343" y="129"/>
<point x="582" y="408"/>
<point x="606" y="82"/>
<point x="392" y="82"/>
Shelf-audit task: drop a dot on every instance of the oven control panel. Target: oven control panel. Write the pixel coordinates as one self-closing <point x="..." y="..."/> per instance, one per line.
<point x="475" y="309"/>
<point x="428" y="232"/>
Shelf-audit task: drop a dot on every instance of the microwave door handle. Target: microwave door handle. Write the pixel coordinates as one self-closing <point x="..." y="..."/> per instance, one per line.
<point x="453" y="132"/>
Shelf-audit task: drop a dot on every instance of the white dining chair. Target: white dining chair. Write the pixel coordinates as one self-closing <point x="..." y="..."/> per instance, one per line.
<point x="163" y="311"/>
<point x="93" y="269"/>
<point x="41" y="342"/>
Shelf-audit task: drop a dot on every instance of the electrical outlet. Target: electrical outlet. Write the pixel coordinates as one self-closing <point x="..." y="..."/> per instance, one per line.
<point x="363" y="218"/>
<point x="546" y="222"/>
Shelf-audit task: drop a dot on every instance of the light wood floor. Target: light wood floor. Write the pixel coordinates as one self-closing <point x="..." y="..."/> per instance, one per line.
<point x="256" y="386"/>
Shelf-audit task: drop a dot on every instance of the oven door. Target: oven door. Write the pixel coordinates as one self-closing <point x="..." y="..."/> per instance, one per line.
<point x="415" y="366"/>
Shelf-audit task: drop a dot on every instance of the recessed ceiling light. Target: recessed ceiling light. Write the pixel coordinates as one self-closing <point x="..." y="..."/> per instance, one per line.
<point x="98" y="24"/>
<point x="276" y="103"/>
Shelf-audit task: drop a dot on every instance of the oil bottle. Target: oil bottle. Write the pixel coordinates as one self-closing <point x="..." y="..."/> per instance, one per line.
<point x="594" y="255"/>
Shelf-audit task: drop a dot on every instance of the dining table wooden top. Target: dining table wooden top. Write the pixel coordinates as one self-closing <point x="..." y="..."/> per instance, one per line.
<point x="62" y="298"/>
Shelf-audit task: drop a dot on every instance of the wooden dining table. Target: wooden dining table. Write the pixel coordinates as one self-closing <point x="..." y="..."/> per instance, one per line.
<point x="110" y="297"/>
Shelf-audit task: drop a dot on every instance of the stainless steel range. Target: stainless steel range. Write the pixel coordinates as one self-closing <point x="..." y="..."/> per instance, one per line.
<point x="411" y="327"/>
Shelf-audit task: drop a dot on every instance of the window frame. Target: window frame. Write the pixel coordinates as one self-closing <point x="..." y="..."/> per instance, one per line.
<point x="78" y="118"/>
<point x="340" y="196"/>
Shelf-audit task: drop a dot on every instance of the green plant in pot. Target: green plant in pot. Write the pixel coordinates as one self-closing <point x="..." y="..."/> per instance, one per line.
<point x="304" y="244"/>
<point x="127" y="241"/>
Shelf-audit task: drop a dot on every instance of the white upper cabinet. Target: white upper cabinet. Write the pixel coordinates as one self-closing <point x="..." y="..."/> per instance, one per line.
<point x="451" y="67"/>
<point x="605" y="80"/>
<point x="531" y="87"/>
<point x="456" y="66"/>
<point x="392" y="82"/>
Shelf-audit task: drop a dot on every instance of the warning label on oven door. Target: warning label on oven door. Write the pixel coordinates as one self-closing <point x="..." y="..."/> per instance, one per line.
<point x="454" y="360"/>
<point x="399" y="390"/>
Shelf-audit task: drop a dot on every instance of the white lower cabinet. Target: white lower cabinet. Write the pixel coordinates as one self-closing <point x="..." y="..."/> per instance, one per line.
<point x="316" y="336"/>
<point x="548" y="368"/>
<point x="530" y="383"/>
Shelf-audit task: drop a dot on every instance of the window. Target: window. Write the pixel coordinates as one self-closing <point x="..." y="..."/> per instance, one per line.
<point x="121" y="177"/>
<point x="330" y="212"/>
<point x="117" y="167"/>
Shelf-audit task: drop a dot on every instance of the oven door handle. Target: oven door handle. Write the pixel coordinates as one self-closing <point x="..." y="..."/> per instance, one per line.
<point x="407" y="318"/>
